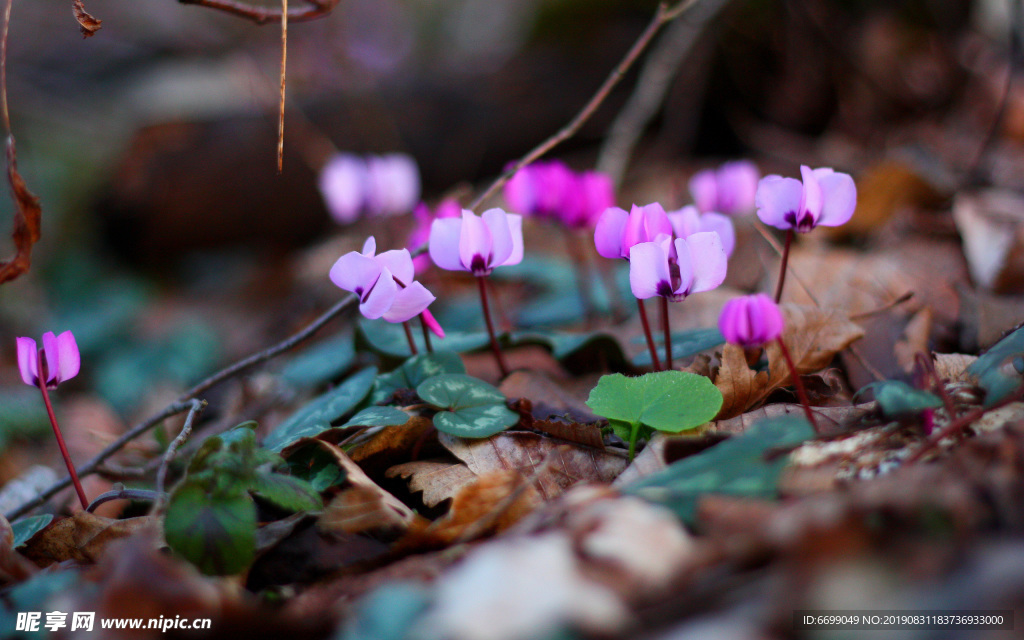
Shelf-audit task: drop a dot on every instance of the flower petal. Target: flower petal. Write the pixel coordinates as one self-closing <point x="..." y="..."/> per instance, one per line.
<point x="399" y="263"/>
<point x="521" y="191"/>
<point x="355" y="272"/>
<point x="475" y="243"/>
<point x="501" y="237"/>
<point x="778" y="197"/>
<point x="369" y="247"/>
<point x="608" y="233"/>
<point x="771" y="322"/>
<point x="409" y="303"/>
<point x="685" y="221"/>
<point x="343" y="186"/>
<point x="734" y="321"/>
<point x="51" y="351"/>
<point x="704" y="189"/>
<point x="645" y="224"/>
<point x="70" y="359"/>
<point x="737" y="186"/>
<point x="392" y="184"/>
<point x="432" y="323"/>
<point x="648" y="269"/>
<point x="812" y="200"/>
<point x="722" y="225"/>
<point x="28" y="361"/>
<point x="515" y="230"/>
<point x="708" y="259"/>
<point x="381" y="297"/>
<point x="839" y="197"/>
<point x="684" y="262"/>
<point x="444" y="243"/>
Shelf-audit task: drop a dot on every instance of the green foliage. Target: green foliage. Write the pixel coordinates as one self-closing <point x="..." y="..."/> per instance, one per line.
<point x="319" y="365"/>
<point x="38" y="593"/>
<point x="25" y="528"/>
<point x="389" y="339"/>
<point x="896" y="398"/>
<point x="468" y="408"/>
<point x="316" y="466"/>
<point x="390" y="612"/>
<point x="317" y="416"/>
<point x="738" y="467"/>
<point x="414" y="371"/>
<point x="684" y="344"/>
<point x="378" y="417"/>
<point x="211" y="517"/>
<point x="998" y="370"/>
<point x="575" y="350"/>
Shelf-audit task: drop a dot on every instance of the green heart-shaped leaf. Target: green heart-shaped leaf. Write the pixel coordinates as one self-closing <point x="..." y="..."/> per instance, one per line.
<point x="414" y="371"/>
<point x="896" y="398"/>
<point x="317" y="416"/>
<point x="997" y="369"/>
<point x="469" y="408"/>
<point x="378" y="417"/>
<point x="216" y="532"/>
<point x="670" y="401"/>
<point x="286" y="492"/>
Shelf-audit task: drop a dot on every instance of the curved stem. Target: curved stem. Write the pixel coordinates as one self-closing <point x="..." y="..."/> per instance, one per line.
<point x="633" y="430"/>
<point x="426" y="335"/>
<point x="801" y="393"/>
<point x="647" y="332"/>
<point x="408" y="336"/>
<point x="495" y="347"/>
<point x="782" y="268"/>
<point x="668" y="334"/>
<point x="60" y="440"/>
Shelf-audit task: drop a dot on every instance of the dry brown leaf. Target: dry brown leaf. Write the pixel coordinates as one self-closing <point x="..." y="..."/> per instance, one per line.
<point x="650" y="459"/>
<point x="916" y="337"/>
<point x="391" y="443"/>
<point x="82" y="537"/>
<point x="14" y="567"/>
<point x="87" y="23"/>
<point x="884" y="189"/>
<point x="27" y="217"/>
<point x="829" y="419"/>
<point x="439" y="480"/>
<point x="544" y="392"/>
<point x="991" y="224"/>
<point x="523" y="452"/>
<point x="741" y="386"/>
<point x="953" y="367"/>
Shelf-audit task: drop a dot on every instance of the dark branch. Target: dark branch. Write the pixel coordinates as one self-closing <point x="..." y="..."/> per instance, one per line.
<point x="265" y="15"/>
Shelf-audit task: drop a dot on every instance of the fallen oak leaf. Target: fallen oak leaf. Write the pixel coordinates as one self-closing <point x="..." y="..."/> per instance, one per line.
<point x="439" y="480"/>
<point x="86" y="22"/>
<point x="82" y="537"/>
<point x="27" y="216"/>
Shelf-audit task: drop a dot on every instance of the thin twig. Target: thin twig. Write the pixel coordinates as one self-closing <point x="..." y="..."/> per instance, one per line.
<point x="196" y="407"/>
<point x="266" y="15"/>
<point x="3" y="67"/>
<point x="661" y="17"/>
<point x="284" y="68"/>
<point x="124" y="494"/>
<point x="184" y="402"/>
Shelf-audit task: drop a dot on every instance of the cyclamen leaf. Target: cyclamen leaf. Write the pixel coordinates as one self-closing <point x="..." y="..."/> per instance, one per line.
<point x="670" y="401"/>
<point x="286" y="492"/>
<point x="685" y="344"/>
<point x="215" y="532"/>
<point x="378" y="417"/>
<point x="322" y="363"/>
<point x="896" y="398"/>
<point x="389" y="339"/>
<point x="470" y="408"/>
<point x="317" y="416"/>
<point x="25" y="528"/>
<point x="997" y="369"/>
<point x="414" y="371"/>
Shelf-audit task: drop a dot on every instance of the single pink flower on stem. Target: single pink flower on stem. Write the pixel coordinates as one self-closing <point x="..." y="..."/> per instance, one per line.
<point x="617" y="231"/>
<point x="541" y="189"/>
<point x="392" y="184"/>
<point x="824" y="197"/>
<point x="478" y="245"/>
<point x="384" y="283"/>
<point x="593" y="194"/>
<point x="729" y="189"/>
<point x="754" y="320"/>
<point x="45" y="368"/>
<point x="688" y="221"/>
<point x="343" y="186"/>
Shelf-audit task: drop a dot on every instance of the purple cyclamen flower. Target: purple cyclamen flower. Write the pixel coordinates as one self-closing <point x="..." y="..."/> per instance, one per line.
<point x="61" y="359"/>
<point x="688" y="221"/>
<point x="676" y="268"/>
<point x="477" y="244"/>
<point x="730" y="189"/>
<point x="617" y="231"/>
<point x="448" y="208"/>
<point x="592" y="196"/>
<point x="751" y="321"/>
<point x="384" y="283"/>
<point x="541" y="189"/>
<point x="824" y="197"/>
<point x="392" y="184"/>
<point x="343" y="186"/>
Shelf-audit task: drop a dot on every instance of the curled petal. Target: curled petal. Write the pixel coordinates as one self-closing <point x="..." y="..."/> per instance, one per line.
<point x="648" y="269"/>
<point x="684" y="262"/>
<point x="704" y="189"/>
<point x="645" y="224"/>
<point x="409" y="303"/>
<point x="608" y="233"/>
<point x="708" y="259"/>
<point x="69" y="359"/>
<point x="475" y="244"/>
<point x="399" y="263"/>
<point x="839" y="197"/>
<point x="497" y="222"/>
<point x="444" y="243"/>
<point x="28" y="361"/>
<point x="515" y="230"/>
<point x="355" y="272"/>
<point x="51" y="352"/>
<point x="432" y="323"/>
<point x="369" y="247"/>
<point x="777" y="198"/>
<point x="734" y="322"/>
<point x="381" y="297"/>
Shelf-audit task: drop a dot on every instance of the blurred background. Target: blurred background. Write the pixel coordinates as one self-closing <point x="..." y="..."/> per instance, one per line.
<point x="171" y="245"/>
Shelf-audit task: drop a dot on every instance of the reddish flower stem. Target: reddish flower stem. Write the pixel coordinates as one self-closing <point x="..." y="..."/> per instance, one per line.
<point x="408" y="336"/>
<point x="668" y="334"/>
<point x="782" y="268"/>
<point x="580" y="268"/>
<point x="495" y="347"/>
<point x="647" y="332"/>
<point x="426" y="335"/>
<point x="60" y="439"/>
<point x="801" y="393"/>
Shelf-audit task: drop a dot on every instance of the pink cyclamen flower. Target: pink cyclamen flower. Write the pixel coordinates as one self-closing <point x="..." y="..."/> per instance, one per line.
<point x="617" y="231"/>
<point x="343" y="186"/>
<point x="384" y="283"/>
<point x="477" y="244"/>
<point x="688" y="221"/>
<point x="448" y="208"/>
<point x="60" y="359"/>
<point x="541" y="189"/>
<point x="824" y="197"/>
<point x="676" y="268"/>
<point x="751" y="321"/>
<point x="392" y="184"/>
<point x="592" y="196"/>
<point x="730" y="189"/>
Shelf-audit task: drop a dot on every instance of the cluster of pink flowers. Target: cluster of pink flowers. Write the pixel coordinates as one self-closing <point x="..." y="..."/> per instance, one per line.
<point x="552" y="190"/>
<point x="375" y="185"/>
<point x="730" y="189"/>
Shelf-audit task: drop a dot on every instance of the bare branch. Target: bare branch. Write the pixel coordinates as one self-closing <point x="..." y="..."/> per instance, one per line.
<point x="265" y="15"/>
<point x="186" y="430"/>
